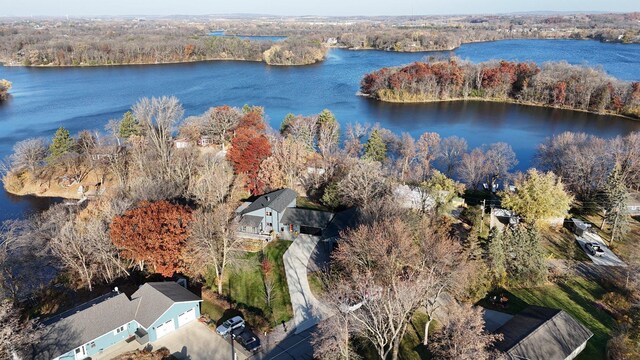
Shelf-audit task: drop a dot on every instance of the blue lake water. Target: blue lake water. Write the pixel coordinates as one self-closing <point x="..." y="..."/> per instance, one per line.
<point x="86" y="98"/>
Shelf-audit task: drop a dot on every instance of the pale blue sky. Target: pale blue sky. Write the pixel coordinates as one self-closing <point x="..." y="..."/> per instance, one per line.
<point x="303" y="7"/>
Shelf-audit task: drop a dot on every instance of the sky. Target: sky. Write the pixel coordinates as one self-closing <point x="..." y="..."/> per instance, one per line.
<point x="303" y="7"/>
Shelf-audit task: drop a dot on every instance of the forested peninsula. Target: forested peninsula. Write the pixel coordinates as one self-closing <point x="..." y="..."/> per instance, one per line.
<point x="555" y="84"/>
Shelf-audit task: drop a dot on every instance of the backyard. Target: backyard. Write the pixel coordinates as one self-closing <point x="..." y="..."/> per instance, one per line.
<point x="245" y="286"/>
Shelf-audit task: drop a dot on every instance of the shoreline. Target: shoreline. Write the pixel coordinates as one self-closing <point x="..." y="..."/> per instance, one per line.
<point x="495" y="100"/>
<point x="14" y="64"/>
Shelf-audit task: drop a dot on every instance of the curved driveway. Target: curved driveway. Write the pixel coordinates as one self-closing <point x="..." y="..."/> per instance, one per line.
<point x="307" y="309"/>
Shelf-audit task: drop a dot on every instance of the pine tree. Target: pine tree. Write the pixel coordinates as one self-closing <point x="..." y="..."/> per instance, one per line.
<point x="615" y="203"/>
<point x="375" y="149"/>
<point x="497" y="257"/>
<point x="61" y="144"/>
<point x="128" y="126"/>
<point x="286" y="123"/>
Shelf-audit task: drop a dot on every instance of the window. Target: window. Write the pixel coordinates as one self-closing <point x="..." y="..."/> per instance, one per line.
<point x="269" y="213"/>
<point x="118" y="330"/>
<point x="93" y="344"/>
<point x="269" y="224"/>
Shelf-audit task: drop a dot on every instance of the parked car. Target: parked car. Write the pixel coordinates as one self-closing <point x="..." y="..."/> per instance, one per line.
<point x="248" y="340"/>
<point x="231" y="324"/>
<point x="594" y="249"/>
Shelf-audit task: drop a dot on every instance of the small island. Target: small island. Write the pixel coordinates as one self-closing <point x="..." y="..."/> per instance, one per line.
<point x="5" y="86"/>
<point x="558" y="84"/>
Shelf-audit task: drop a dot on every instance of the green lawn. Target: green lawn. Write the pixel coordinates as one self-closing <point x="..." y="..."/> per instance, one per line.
<point x="562" y="244"/>
<point x="577" y="297"/>
<point x="245" y="283"/>
<point x="306" y="203"/>
<point x="214" y="311"/>
<point x="315" y="283"/>
<point x="411" y="347"/>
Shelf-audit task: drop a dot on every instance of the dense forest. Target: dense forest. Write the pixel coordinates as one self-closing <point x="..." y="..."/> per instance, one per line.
<point x="5" y="86"/>
<point x="113" y="43"/>
<point x="87" y="42"/>
<point x="552" y="84"/>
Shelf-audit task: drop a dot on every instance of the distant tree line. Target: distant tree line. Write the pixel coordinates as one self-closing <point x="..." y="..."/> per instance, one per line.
<point x="115" y="43"/>
<point x="554" y="84"/>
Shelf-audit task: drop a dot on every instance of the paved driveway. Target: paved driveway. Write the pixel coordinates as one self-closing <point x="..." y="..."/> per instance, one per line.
<point x="607" y="259"/>
<point x="307" y="310"/>
<point x="194" y="341"/>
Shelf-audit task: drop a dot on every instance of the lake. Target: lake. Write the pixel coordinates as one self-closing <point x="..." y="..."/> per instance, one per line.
<point x="86" y="98"/>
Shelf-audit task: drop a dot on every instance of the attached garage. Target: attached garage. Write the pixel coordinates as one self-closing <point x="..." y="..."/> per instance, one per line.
<point x="186" y="317"/>
<point x="165" y="328"/>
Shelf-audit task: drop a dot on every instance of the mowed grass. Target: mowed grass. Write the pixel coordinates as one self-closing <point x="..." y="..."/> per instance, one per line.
<point x="576" y="296"/>
<point x="245" y="283"/>
<point x="561" y="244"/>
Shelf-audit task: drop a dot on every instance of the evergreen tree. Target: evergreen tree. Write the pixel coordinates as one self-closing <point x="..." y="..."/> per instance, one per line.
<point x="497" y="257"/>
<point x="326" y="117"/>
<point x="526" y="264"/>
<point x="474" y="250"/>
<point x="128" y="126"/>
<point x="375" y="148"/>
<point x="614" y="201"/>
<point x="286" y="123"/>
<point x="61" y="144"/>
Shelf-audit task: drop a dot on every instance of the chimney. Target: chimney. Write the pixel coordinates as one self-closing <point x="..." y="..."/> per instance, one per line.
<point x="268" y="198"/>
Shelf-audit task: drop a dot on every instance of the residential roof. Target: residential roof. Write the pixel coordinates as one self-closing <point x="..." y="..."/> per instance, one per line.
<point x="277" y="200"/>
<point x="542" y="333"/>
<point x="87" y="322"/>
<point x="153" y="299"/>
<point x="101" y="315"/>
<point x="250" y="220"/>
<point x="341" y="221"/>
<point x="307" y="217"/>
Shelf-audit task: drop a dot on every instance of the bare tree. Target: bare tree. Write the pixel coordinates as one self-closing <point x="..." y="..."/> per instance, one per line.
<point x="213" y="241"/>
<point x="450" y="152"/>
<point x="220" y="121"/>
<point x="472" y="168"/>
<point x="499" y="159"/>
<point x="213" y="183"/>
<point x="16" y="335"/>
<point x="363" y="183"/>
<point x="463" y="336"/>
<point x="158" y="116"/>
<point x="427" y="147"/>
<point x="354" y="134"/>
<point x="407" y="154"/>
<point x="29" y="154"/>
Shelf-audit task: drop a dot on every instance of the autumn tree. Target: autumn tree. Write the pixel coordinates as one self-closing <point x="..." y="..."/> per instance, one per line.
<point x="62" y="143"/>
<point x="286" y="164"/>
<point x="249" y="149"/>
<point x="220" y="121"/>
<point x="472" y="168"/>
<point x="538" y="197"/>
<point x="375" y="149"/>
<point x="499" y="160"/>
<point x="5" y="86"/>
<point x="213" y="183"/>
<point x="463" y="335"/>
<point x="153" y="233"/>
<point x="394" y="266"/>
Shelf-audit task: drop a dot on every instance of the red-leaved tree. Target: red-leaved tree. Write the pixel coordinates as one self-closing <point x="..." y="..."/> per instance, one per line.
<point x="249" y="148"/>
<point x="154" y="233"/>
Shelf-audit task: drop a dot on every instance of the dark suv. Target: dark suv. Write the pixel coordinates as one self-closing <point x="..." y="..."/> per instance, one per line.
<point x="247" y="339"/>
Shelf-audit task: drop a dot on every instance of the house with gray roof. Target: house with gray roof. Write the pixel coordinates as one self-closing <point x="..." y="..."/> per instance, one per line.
<point x="263" y="216"/>
<point x="540" y="333"/>
<point x="153" y="311"/>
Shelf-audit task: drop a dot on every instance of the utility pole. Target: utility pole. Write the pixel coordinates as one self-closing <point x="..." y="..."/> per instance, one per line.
<point x="484" y="203"/>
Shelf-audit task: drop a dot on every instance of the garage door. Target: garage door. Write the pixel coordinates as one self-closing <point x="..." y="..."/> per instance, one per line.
<point x="186" y="317"/>
<point x="165" y="328"/>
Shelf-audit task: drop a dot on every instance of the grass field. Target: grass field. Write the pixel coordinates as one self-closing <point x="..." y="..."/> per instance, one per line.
<point x="245" y="283"/>
<point x="576" y="296"/>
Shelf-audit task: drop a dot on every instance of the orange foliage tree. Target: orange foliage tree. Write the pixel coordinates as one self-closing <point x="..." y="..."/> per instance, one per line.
<point x="249" y="148"/>
<point x="155" y="233"/>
